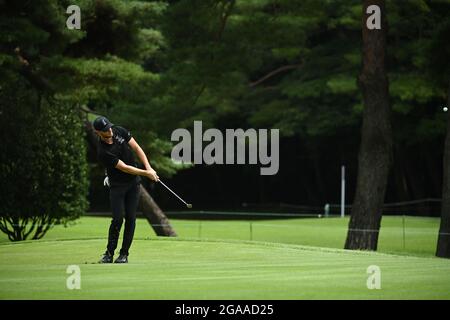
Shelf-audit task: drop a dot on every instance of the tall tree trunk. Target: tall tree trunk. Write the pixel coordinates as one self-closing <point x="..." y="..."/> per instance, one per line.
<point x="375" y="154"/>
<point x="443" y="245"/>
<point x="154" y="215"/>
<point x="415" y="177"/>
<point x="399" y="175"/>
<point x="433" y="169"/>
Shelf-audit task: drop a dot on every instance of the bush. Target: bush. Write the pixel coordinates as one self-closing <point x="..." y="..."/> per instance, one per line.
<point x="43" y="165"/>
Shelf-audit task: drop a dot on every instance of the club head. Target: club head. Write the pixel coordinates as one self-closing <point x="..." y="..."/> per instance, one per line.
<point x="189" y="206"/>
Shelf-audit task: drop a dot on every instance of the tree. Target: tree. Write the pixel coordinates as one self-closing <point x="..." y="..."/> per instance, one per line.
<point x="443" y="244"/>
<point x="292" y="65"/>
<point x="440" y="72"/>
<point x="44" y="177"/>
<point x="283" y="64"/>
<point x="375" y="155"/>
<point x="101" y="66"/>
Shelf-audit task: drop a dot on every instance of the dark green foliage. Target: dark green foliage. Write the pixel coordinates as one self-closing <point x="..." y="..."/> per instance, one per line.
<point x="293" y="65"/>
<point x="154" y="66"/>
<point x="43" y="165"/>
<point x="43" y="160"/>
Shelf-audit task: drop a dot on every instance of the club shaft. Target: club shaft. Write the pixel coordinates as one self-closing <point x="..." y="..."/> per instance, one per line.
<point x="173" y="192"/>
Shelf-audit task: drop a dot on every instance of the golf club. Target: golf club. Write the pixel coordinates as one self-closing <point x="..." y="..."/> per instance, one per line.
<point x="188" y="205"/>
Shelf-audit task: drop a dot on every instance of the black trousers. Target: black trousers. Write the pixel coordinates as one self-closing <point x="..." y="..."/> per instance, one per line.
<point x="124" y="201"/>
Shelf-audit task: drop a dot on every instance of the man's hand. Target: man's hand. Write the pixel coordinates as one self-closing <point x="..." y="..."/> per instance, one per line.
<point x="151" y="174"/>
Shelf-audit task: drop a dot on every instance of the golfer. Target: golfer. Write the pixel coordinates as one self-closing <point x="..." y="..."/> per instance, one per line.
<point x="115" y="153"/>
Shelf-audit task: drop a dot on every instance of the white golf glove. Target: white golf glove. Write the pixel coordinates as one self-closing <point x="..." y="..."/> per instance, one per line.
<point x="106" y="182"/>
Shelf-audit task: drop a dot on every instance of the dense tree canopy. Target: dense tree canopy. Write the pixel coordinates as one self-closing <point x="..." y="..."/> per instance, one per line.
<point x="155" y="66"/>
<point x="293" y="65"/>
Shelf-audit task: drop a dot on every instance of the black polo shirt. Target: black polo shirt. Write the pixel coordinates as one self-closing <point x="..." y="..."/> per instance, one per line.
<point x="110" y="154"/>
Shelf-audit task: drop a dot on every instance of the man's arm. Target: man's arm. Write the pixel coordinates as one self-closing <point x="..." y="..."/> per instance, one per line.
<point x="151" y="174"/>
<point x="140" y="153"/>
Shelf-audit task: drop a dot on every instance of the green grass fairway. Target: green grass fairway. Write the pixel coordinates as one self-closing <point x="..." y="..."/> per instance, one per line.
<point x="188" y="268"/>
<point x="176" y="269"/>
<point x="420" y="236"/>
<point x="420" y="233"/>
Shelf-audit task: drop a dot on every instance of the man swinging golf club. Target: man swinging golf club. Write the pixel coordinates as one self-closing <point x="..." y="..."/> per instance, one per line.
<point x="115" y="153"/>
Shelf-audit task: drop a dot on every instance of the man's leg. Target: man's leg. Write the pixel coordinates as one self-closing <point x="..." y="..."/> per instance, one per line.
<point x="117" y="200"/>
<point x="131" y="203"/>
